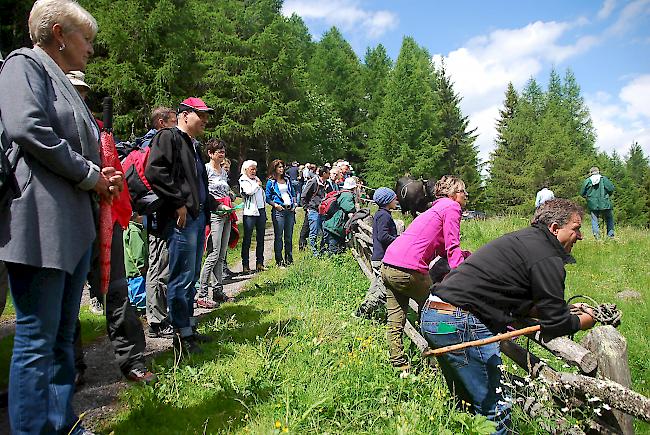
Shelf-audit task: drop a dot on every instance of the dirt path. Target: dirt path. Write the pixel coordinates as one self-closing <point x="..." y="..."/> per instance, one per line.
<point x="104" y="381"/>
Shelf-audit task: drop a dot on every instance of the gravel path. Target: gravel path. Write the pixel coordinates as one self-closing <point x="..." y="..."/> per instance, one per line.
<point x="104" y="381"/>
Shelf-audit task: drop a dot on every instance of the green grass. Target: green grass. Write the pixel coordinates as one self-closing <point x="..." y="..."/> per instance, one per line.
<point x="289" y="356"/>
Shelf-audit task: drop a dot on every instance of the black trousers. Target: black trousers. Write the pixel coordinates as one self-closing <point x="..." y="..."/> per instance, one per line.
<point x="304" y="232"/>
<point x="123" y="326"/>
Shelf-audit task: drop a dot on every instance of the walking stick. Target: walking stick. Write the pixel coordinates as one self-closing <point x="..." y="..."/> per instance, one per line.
<point x="482" y="342"/>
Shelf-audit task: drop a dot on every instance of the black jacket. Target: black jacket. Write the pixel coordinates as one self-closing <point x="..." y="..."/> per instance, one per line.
<point x="171" y="170"/>
<point x="506" y="278"/>
<point x="313" y="193"/>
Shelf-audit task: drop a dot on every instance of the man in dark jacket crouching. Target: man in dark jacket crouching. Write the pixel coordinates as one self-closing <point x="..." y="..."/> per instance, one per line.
<point x="500" y="284"/>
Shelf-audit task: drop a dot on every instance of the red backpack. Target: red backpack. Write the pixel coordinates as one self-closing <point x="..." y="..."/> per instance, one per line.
<point x="327" y="207"/>
<point x="143" y="199"/>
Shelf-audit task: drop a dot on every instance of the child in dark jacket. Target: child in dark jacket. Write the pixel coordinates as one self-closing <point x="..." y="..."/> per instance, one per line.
<point x="384" y="232"/>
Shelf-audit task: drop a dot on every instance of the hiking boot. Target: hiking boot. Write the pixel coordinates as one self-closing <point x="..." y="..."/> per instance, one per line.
<point x="206" y="303"/>
<point x="245" y="270"/>
<point x="186" y="345"/>
<point x="260" y="268"/>
<point x="160" y="331"/>
<point x="227" y="273"/>
<point x="141" y="376"/>
<point x="96" y="307"/>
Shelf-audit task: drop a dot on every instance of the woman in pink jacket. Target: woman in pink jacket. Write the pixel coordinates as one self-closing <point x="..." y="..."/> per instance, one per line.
<point x="405" y="268"/>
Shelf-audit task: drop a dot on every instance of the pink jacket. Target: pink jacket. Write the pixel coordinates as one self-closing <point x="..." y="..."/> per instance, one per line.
<point x="434" y="232"/>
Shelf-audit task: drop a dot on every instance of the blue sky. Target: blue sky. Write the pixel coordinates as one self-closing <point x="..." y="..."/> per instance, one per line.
<point x="487" y="44"/>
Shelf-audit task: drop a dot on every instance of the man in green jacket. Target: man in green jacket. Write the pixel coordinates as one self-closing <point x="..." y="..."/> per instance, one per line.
<point x="596" y="189"/>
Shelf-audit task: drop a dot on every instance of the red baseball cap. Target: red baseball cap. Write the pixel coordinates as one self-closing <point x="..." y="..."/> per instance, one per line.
<point x="194" y="103"/>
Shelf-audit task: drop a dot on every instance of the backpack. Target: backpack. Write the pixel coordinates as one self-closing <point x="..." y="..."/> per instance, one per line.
<point x="329" y="204"/>
<point x="143" y="199"/>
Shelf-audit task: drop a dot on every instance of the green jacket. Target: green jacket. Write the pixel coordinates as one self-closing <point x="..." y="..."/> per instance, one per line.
<point x="135" y="249"/>
<point x="336" y="224"/>
<point x="597" y="196"/>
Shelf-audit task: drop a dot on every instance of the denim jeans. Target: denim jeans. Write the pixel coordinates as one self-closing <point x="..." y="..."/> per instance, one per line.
<point x="608" y="215"/>
<point x="213" y="265"/>
<point x="283" y="222"/>
<point x="472" y="374"/>
<point x="185" y="247"/>
<point x="297" y="190"/>
<point x="259" y="224"/>
<point x="315" y="228"/>
<point x="334" y="243"/>
<point x="41" y="377"/>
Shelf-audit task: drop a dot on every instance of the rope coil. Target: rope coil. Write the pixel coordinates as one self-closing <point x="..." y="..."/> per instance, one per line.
<point x="606" y="314"/>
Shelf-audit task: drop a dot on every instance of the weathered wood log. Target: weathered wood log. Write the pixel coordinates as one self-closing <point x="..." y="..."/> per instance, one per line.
<point x="571" y="352"/>
<point x="362" y="236"/>
<point x="364" y="226"/>
<point x="609" y="392"/>
<point x="610" y="348"/>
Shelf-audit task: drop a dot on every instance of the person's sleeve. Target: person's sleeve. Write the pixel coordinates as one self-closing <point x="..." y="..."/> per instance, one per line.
<point x="451" y="234"/>
<point x="583" y="191"/>
<point x="269" y="193"/>
<point x="609" y="186"/>
<point x="23" y="99"/>
<point x="306" y="192"/>
<point x="158" y="170"/>
<point x="383" y="230"/>
<point x="547" y="284"/>
<point x="248" y="187"/>
<point x="138" y="248"/>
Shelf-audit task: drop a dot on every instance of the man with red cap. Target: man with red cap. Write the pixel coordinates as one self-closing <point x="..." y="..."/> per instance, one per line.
<point x="177" y="174"/>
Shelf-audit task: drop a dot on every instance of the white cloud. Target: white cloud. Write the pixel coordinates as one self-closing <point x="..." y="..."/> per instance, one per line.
<point x="607" y="9"/>
<point x="630" y="14"/>
<point x="619" y="122"/>
<point x="346" y="14"/>
<point x="482" y="68"/>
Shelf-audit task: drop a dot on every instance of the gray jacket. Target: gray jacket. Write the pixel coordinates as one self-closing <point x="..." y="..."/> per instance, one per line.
<point x="51" y="224"/>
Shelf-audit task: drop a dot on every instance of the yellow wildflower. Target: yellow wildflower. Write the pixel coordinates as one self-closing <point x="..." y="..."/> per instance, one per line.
<point x="278" y="425"/>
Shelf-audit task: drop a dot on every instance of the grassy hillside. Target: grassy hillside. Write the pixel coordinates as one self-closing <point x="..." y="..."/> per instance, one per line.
<point x="290" y="357"/>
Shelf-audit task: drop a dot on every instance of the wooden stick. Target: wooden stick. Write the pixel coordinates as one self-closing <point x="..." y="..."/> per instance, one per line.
<point x="482" y="342"/>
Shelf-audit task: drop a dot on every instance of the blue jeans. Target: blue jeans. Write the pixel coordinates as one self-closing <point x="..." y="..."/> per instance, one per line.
<point x="283" y="222"/>
<point x="473" y="374"/>
<point x="297" y="189"/>
<point x="608" y="215"/>
<point x="315" y="228"/>
<point x="334" y="243"/>
<point x="41" y="377"/>
<point x="259" y="224"/>
<point x="185" y="246"/>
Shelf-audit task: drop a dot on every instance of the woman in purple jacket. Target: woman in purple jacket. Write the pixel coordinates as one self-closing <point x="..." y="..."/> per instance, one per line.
<point x="405" y="269"/>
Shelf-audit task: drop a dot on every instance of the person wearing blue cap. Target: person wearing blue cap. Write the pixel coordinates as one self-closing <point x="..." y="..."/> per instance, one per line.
<point x="384" y="232"/>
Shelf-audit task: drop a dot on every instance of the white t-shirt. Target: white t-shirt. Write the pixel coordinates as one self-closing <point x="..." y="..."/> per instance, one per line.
<point x="284" y="192"/>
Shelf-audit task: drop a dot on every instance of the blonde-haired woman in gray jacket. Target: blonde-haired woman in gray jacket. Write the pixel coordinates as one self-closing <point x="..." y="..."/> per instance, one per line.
<point x="46" y="233"/>
<point x="254" y="212"/>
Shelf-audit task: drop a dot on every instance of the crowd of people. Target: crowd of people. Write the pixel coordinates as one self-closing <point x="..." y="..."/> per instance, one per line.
<point x="71" y="212"/>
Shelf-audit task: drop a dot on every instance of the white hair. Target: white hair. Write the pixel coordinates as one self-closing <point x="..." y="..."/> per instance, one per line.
<point x="68" y="13"/>
<point x="247" y="164"/>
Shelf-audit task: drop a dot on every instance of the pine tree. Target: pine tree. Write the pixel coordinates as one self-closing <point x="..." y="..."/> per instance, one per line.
<point x="407" y="133"/>
<point x="335" y="71"/>
<point x="375" y="71"/>
<point x="461" y="156"/>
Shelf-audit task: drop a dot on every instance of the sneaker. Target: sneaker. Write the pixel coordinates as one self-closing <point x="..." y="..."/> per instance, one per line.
<point x="186" y="345"/>
<point x="219" y="296"/>
<point x="141" y="376"/>
<point x="206" y="303"/>
<point x="227" y="273"/>
<point x="96" y="307"/>
<point x="160" y="331"/>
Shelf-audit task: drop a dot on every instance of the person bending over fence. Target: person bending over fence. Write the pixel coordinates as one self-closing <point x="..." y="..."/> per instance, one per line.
<point x="504" y="282"/>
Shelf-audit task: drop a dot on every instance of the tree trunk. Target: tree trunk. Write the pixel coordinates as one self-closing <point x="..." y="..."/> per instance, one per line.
<point x="610" y="348"/>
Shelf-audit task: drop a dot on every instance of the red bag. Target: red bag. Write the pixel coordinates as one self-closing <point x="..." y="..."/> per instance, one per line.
<point x="327" y="207"/>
